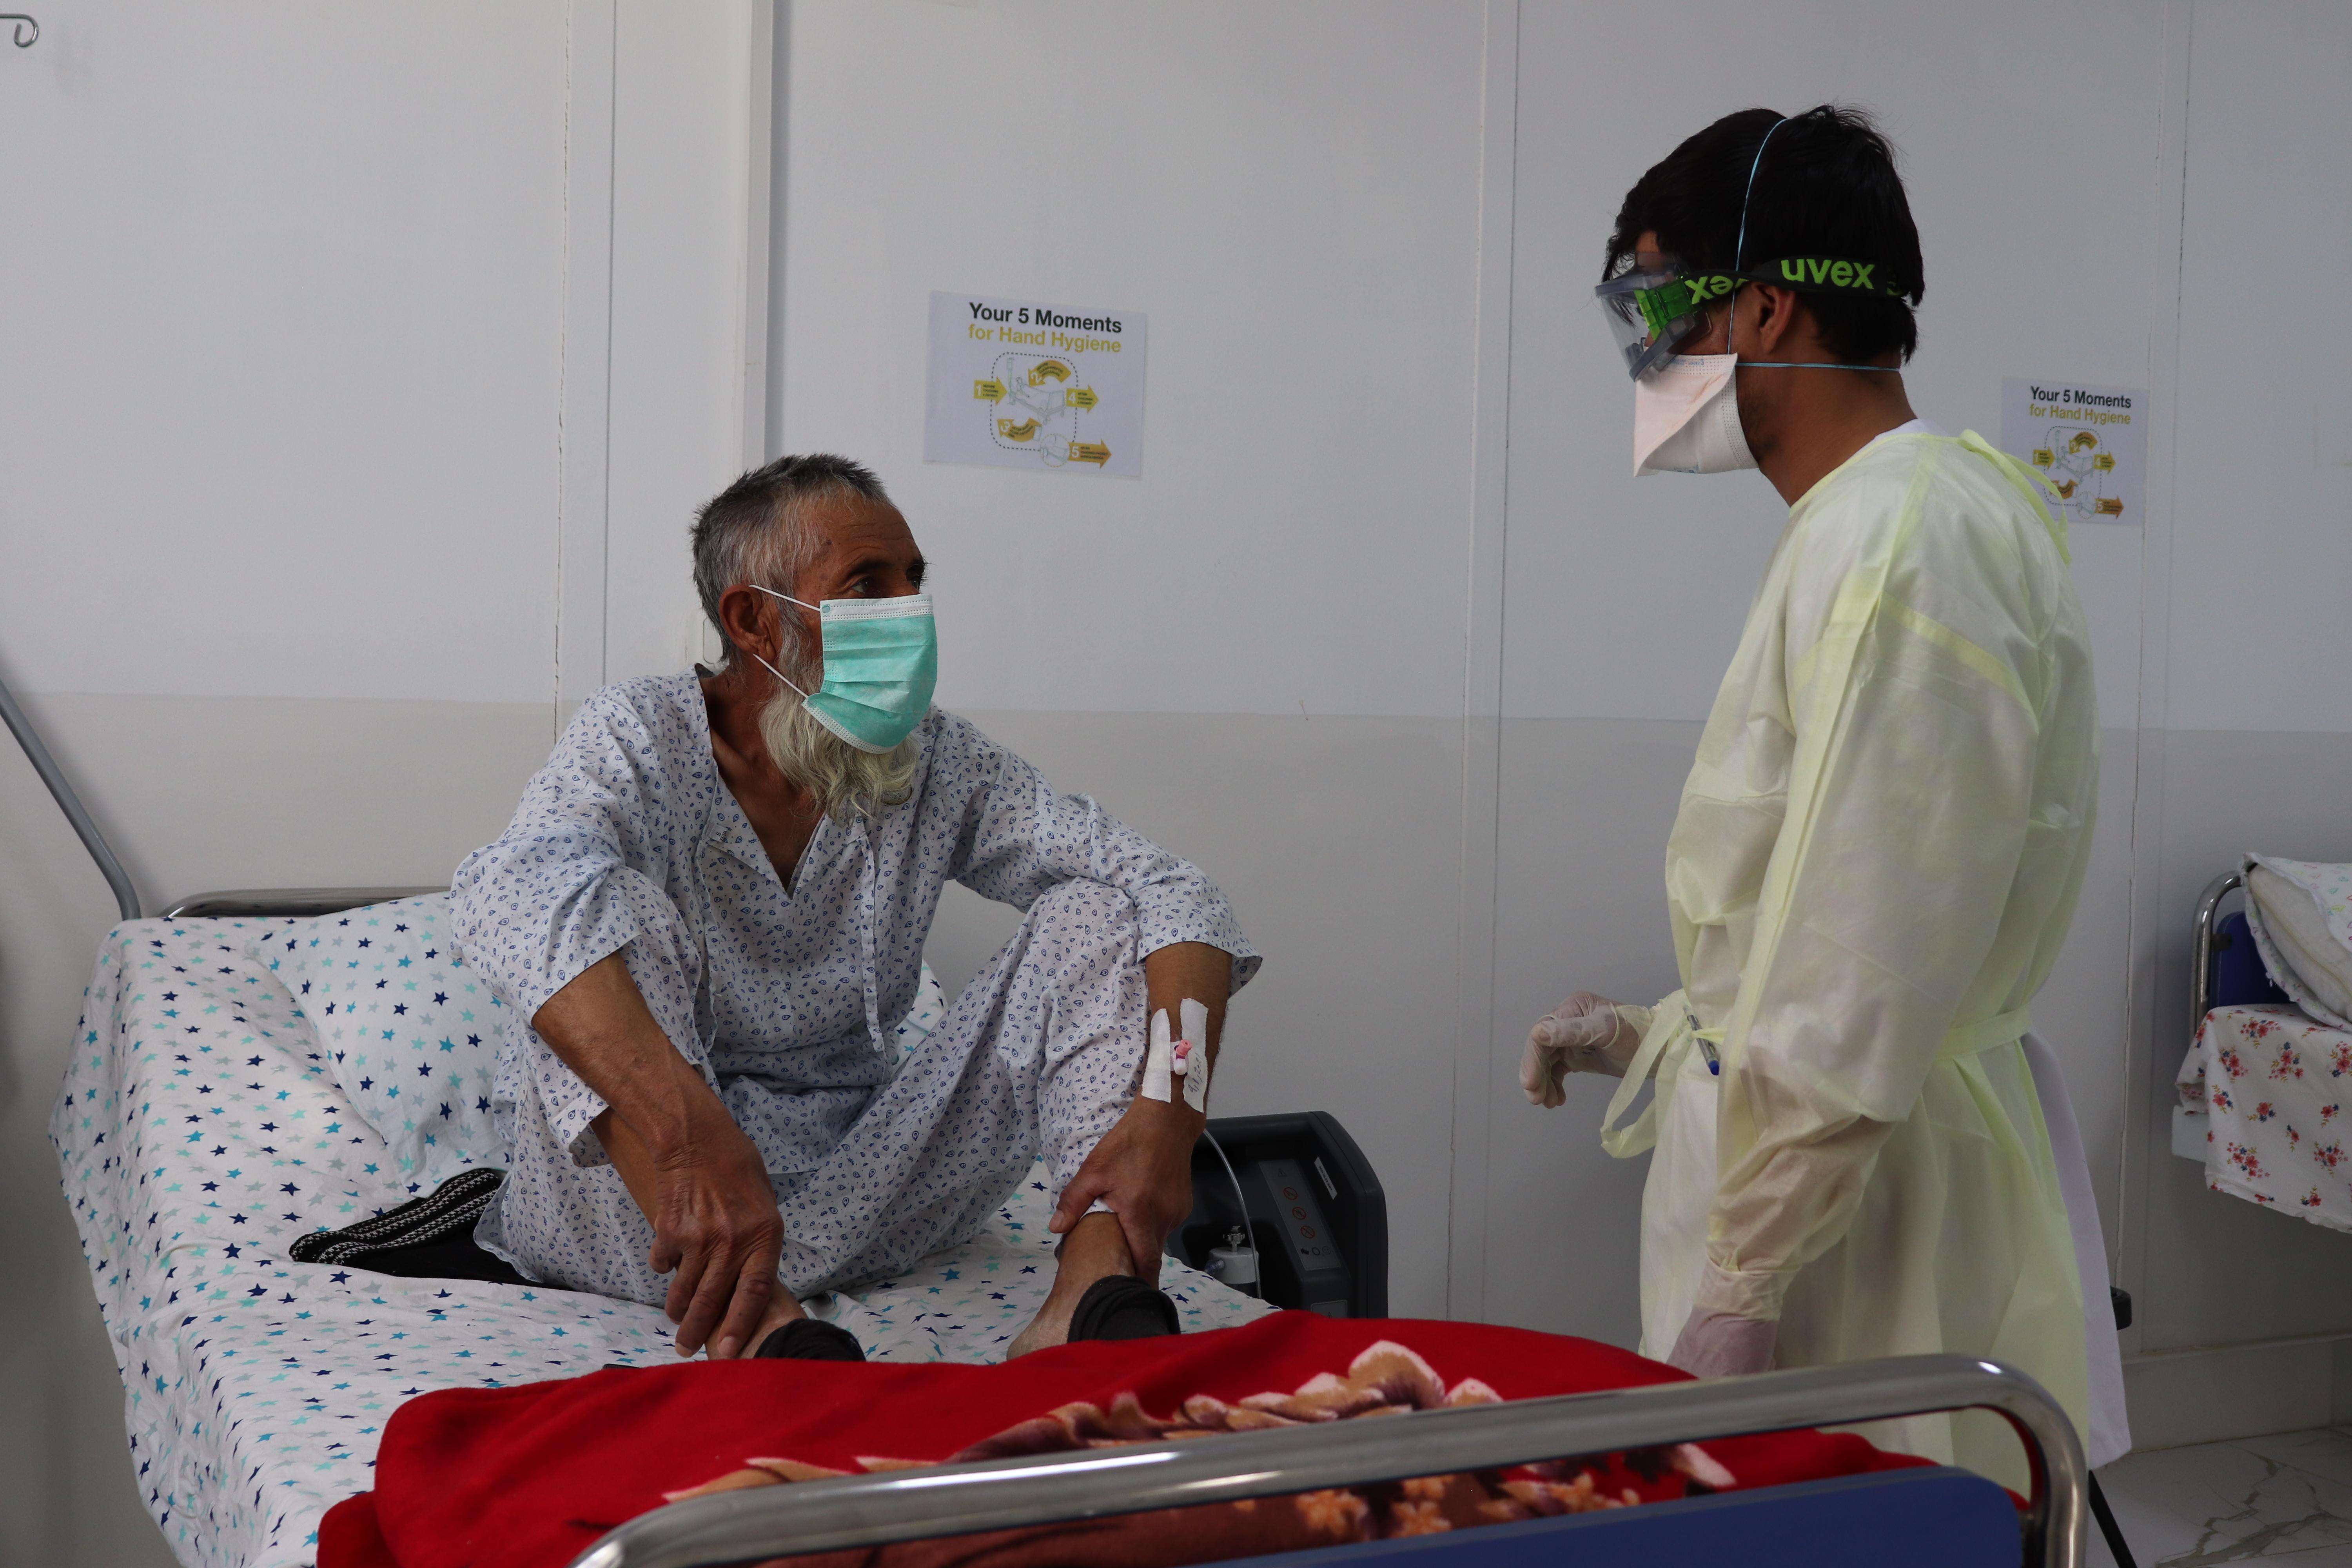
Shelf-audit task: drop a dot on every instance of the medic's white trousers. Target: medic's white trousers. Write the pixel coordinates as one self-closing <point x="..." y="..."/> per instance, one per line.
<point x="1880" y="1292"/>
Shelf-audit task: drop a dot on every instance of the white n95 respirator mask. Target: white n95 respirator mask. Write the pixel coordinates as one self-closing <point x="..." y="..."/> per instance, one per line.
<point x="1686" y="418"/>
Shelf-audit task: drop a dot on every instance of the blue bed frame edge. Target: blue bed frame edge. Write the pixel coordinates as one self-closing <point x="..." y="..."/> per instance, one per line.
<point x="1938" y="1518"/>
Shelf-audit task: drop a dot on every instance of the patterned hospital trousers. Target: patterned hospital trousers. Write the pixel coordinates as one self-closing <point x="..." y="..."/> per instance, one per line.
<point x="1042" y="1051"/>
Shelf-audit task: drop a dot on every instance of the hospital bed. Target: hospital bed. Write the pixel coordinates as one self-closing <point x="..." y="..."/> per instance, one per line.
<point x="211" y="1115"/>
<point x="2264" y="1086"/>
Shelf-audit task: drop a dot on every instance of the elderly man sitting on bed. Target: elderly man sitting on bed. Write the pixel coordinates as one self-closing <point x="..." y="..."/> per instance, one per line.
<point x="708" y="914"/>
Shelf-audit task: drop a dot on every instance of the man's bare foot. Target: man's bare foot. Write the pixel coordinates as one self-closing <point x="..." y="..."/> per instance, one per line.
<point x="782" y="1309"/>
<point x="1094" y="1249"/>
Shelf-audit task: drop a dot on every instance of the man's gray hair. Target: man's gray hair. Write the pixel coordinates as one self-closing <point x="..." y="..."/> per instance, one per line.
<point x="756" y="530"/>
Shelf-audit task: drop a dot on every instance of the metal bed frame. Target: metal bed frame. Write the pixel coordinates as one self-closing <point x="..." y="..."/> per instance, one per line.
<point x="2201" y="947"/>
<point x="126" y="897"/>
<point x="305" y="903"/>
<point x="997" y="1494"/>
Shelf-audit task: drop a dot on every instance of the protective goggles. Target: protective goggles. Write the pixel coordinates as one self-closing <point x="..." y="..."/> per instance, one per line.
<point x="1654" y="309"/>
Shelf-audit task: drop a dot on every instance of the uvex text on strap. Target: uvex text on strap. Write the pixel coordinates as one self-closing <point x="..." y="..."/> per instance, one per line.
<point x="1662" y="306"/>
<point x="1828" y="275"/>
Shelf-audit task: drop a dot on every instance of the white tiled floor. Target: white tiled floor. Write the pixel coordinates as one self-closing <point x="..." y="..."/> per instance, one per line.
<point x="2287" y="1497"/>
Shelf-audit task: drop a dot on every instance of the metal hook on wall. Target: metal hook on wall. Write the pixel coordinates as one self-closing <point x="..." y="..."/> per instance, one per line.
<point x="26" y="28"/>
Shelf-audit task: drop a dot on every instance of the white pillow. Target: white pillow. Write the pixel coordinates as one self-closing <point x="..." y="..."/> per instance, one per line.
<point x="2301" y="913"/>
<point x="411" y="1033"/>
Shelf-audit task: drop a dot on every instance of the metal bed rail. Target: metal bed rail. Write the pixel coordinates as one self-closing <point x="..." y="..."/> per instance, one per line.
<point x="261" y="903"/>
<point x="37" y="752"/>
<point x="997" y="1494"/>
<point x="2201" y="948"/>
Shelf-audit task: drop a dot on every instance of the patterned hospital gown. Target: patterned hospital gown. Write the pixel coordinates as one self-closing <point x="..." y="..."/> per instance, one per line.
<point x="788" y="997"/>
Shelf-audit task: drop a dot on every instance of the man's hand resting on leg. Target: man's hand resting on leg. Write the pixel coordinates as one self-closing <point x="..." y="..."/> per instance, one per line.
<point x="1142" y="1169"/>
<point x="699" y="1179"/>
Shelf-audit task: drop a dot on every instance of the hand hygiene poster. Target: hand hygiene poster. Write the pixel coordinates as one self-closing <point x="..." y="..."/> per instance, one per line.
<point x="2088" y="444"/>
<point x="1019" y="384"/>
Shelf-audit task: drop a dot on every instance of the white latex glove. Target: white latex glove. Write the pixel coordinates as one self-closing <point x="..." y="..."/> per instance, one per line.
<point x="1584" y="1033"/>
<point x="1718" y="1345"/>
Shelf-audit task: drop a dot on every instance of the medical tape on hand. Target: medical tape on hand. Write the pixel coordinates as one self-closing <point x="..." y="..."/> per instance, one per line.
<point x="1158" y="1062"/>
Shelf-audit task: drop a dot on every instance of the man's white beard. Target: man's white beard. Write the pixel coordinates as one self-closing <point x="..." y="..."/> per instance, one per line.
<point x="845" y="781"/>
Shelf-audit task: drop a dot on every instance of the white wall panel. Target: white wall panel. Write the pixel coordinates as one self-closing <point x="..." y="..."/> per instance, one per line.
<point x="1290" y="194"/>
<point x="2262" y="560"/>
<point x="281" y="349"/>
<point x="681" y="211"/>
<point x="1586" y="806"/>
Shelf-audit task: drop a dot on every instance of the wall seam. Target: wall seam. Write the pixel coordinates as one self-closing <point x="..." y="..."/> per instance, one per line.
<point x="756" y="290"/>
<point x="2137" y="1152"/>
<point x="584" y="418"/>
<point x="780" y="93"/>
<point x="562" y="385"/>
<point x="1481" y="769"/>
<point x="604" y="468"/>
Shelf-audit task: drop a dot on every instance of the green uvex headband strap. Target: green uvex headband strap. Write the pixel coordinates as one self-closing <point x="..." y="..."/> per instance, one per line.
<point x="1662" y="306"/>
<point x="1827" y="275"/>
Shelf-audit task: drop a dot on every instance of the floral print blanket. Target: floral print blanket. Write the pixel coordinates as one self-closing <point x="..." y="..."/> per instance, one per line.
<point x="2274" y="1085"/>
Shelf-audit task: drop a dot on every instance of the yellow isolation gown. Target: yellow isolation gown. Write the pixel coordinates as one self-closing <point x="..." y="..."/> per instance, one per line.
<point x="1876" y="857"/>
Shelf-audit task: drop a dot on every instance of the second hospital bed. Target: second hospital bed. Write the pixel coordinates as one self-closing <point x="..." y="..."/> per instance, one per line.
<point x="2265" y="1087"/>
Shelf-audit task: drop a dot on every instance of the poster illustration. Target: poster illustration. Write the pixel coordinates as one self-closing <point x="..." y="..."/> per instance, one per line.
<point x="2088" y="444"/>
<point x="1017" y="384"/>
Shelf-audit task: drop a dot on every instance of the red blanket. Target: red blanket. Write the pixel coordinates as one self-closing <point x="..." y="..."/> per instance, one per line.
<point x="531" y="1475"/>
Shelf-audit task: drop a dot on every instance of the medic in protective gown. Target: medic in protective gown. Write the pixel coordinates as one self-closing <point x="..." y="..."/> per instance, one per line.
<point x="1873" y="869"/>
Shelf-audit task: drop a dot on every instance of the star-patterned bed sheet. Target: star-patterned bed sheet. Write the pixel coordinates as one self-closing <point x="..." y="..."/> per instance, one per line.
<point x="2274" y="1084"/>
<point x="200" y="1130"/>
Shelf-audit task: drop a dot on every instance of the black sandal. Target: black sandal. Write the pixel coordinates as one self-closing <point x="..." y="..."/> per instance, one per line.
<point x="806" y="1339"/>
<point x="1121" y="1307"/>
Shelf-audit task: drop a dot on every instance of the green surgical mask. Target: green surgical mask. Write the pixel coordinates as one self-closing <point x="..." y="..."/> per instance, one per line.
<point x="881" y="661"/>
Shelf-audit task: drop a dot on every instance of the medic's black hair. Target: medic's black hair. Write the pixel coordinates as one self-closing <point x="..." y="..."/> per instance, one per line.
<point x="1827" y="187"/>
